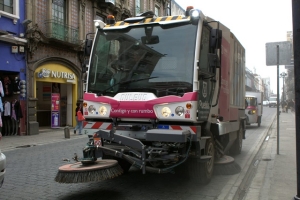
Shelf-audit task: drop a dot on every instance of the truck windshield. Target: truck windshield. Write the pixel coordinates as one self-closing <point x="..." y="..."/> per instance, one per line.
<point x="251" y="101"/>
<point x="273" y="99"/>
<point x="156" y="58"/>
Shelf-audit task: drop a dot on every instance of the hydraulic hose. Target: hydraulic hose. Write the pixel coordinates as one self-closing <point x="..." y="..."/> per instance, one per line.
<point x="150" y="169"/>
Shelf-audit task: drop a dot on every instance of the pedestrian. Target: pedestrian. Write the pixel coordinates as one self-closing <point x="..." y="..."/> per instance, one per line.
<point x="287" y="106"/>
<point x="78" y="122"/>
<point x="283" y="106"/>
<point x="291" y="105"/>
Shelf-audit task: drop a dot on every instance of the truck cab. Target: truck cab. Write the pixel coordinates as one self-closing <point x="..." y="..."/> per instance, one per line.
<point x="272" y="102"/>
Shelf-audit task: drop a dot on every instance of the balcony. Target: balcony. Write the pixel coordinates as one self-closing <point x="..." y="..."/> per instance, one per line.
<point x="62" y="32"/>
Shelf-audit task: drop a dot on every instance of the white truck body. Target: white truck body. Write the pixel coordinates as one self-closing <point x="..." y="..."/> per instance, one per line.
<point x="254" y="107"/>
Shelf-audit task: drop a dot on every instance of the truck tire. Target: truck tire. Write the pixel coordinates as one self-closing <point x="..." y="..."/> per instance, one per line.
<point x="207" y="168"/>
<point x="237" y="145"/>
<point x="197" y="171"/>
<point x="123" y="163"/>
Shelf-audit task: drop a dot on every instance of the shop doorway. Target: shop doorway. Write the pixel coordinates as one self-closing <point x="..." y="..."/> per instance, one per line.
<point x="54" y="105"/>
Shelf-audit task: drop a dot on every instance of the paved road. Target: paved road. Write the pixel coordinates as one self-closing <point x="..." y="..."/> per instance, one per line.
<point x="31" y="171"/>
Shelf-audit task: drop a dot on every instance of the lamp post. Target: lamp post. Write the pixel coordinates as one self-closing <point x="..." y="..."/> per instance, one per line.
<point x="283" y="75"/>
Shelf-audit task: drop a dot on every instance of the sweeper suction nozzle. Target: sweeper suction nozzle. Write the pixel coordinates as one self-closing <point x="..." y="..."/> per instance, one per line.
<point x="82" y="173"/>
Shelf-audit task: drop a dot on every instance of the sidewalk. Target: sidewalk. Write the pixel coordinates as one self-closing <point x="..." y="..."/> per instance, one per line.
<point x="45" y="136"/>
<point x="276" y="174"/>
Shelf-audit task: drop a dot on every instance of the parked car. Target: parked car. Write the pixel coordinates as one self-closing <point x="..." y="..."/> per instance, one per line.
<point x="265" y="103"/>
<point x="2" y="167"/>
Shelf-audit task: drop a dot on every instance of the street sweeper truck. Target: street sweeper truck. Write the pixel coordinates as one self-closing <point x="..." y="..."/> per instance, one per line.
<point x="254" y="107"/>
<point x="163" y="94"/>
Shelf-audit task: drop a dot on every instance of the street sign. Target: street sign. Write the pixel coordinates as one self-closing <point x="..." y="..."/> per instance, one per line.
<point x="285" y="53"/>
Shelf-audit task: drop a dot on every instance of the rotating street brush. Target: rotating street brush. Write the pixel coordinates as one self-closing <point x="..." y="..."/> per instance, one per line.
<point x="226" y="166"/>
<point x="82" y="173"/>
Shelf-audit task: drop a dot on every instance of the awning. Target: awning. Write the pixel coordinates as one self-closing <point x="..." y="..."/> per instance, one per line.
<point x="13" y="39"/>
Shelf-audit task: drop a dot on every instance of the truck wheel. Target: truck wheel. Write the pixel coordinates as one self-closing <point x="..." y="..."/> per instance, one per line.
<point x="258" y="121"/>
<point x="123" y="163"/>
<point x="237" y="145"/>
<point x="207" y="168"/>
<point x="197" y="171"/>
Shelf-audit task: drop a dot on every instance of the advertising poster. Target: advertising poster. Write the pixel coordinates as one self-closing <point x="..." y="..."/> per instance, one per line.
<point x="55" y="98"/>
<point x="55" y="110"/>
<point x="55" y="119"/>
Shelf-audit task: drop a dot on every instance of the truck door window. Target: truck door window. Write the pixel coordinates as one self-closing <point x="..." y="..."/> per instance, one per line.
<point x="204" y="50"/>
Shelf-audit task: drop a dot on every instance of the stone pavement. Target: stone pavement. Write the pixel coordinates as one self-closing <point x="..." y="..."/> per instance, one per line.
<point x="45" y="136"/>
<point x="276" y="170"/>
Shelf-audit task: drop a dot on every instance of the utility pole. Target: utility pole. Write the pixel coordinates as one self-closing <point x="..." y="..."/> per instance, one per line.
<point x="283" y="75"/>
<point x="296" y="45"/>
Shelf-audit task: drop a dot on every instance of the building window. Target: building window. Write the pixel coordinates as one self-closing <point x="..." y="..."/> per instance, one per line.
<point x="58" y="11"/>
<point x="6" y="6"/>
<point x="99" y="17"/>
<point x="137" y="7"/>
<point x="10" y="9"/>
<point x="157" y="11"/>
<point x="59" y="31"/>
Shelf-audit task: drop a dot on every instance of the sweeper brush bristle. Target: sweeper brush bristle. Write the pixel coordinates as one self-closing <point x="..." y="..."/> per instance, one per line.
<point x="226" y="166"/>
<point x="78" y="173"/>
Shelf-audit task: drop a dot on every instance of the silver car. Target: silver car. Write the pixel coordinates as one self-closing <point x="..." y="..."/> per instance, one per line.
<point x="2" y="167"/>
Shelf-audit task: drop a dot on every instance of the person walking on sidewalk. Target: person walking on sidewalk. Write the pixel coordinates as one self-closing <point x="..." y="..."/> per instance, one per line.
<point x="78" y="122"/>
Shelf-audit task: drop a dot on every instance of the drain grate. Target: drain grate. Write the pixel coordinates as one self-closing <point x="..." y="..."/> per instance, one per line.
<point x="25" y="146"/>
<point x="266" y="159"/>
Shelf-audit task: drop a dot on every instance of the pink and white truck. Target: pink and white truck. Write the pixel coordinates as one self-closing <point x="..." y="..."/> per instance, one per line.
<point x="165" y="91"/>
<point x="254" y="107"/>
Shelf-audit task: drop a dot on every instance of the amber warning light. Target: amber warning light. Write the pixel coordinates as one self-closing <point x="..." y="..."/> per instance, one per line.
<point x="111" y="19"/>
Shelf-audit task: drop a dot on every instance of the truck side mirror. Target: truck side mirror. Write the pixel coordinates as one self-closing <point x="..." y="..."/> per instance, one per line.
<point x="85" y="66"/>
<point x="88" y="47"/>
<point x="213" y="61"/>
<point x="215" y="38"/>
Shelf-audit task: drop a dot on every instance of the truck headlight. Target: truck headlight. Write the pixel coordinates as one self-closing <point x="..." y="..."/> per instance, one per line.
<point x="179" y="111"/>
<point x="91" y="109"/>
<point x="251" y="112"/>
<point x="103" y="110"/>
<point x="195" y="16"/>
<point x="166" y="112"/>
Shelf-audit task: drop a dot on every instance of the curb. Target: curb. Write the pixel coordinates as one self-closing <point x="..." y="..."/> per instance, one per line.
<point x="32" y="144"/>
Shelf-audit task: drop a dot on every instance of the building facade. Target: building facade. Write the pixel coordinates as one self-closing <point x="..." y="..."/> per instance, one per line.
<point x="290" y="79"/>
<point x="12" y="65"/>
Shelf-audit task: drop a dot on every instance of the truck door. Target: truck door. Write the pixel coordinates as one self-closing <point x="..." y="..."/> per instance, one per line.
<point x="205" y="74"/>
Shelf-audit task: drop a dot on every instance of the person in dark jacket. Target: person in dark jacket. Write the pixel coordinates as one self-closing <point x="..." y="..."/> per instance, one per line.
<point x="283" y="106"/>
<point x="16" y="115"/>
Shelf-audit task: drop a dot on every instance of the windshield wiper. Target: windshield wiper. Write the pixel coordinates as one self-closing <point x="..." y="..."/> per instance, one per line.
<point x="125" y="82"/>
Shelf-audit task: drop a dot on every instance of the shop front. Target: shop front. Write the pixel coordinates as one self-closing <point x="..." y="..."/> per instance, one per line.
<point x="55" y="88"/>
<point x="12" y="96"/>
